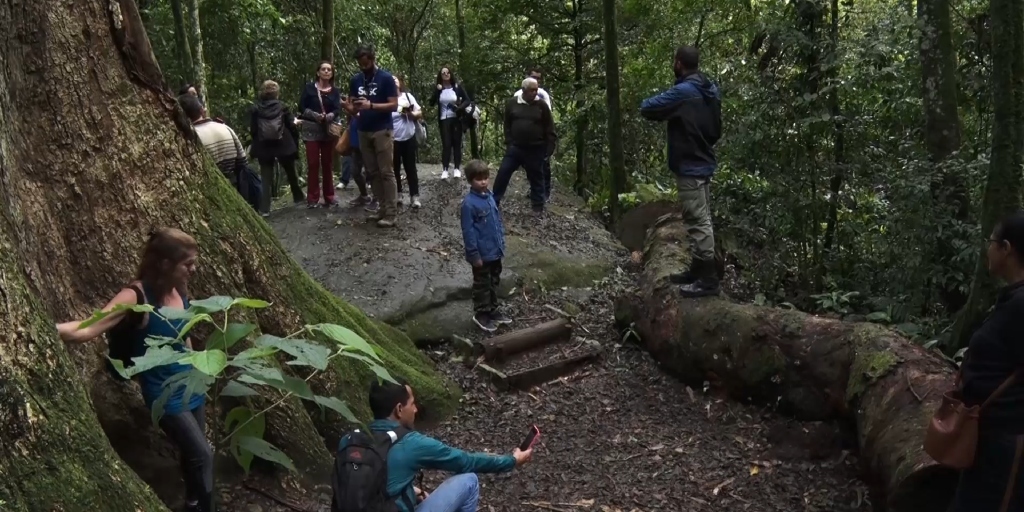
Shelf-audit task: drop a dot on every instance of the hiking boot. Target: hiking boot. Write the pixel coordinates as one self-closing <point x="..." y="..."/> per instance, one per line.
<point x="416" y="201"/>
<point x="485" y="322"/>
<point x="457" y="173"/>
<point x="386" y="223"/>
<point x="705" y="283"/>
<point x="500" y="318"/>
<point x="359" y="201"/>
<point x="687" y="277"/>
<point x="373" y="207"/>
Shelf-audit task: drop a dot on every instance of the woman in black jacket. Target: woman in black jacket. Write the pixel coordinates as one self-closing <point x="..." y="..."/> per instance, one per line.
<point x="450" y="99"/>
<point x="274" y="138"/>
<point x="996" y="354"/>
<point x="319" y="106"/>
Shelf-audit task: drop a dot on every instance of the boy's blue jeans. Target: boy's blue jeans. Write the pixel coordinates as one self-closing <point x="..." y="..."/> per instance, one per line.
<point x="460" y="493"/>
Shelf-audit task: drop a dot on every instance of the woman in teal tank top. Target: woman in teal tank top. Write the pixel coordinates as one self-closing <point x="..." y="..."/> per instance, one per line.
<point x="168" y="261"/>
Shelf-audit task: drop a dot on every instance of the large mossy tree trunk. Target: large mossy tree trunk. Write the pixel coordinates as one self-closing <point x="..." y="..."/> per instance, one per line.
<point x="809" y="367"/>
<point x="1003" y="186"/>
<point x="88" y="164"/>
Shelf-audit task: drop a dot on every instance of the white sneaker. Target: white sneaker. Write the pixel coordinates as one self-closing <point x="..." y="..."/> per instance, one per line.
<point x="444" y="174"/>
<point x="339" y="186"/>
<point x="416" y="202"/>
<point x="458" y="173"/>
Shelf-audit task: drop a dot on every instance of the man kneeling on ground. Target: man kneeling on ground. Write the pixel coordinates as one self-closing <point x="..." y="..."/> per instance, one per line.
<point x="394" y="411"/>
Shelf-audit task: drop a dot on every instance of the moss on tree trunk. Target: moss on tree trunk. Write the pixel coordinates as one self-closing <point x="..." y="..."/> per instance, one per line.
<point x="809" y="367"/>
<point x="88" y="164"/>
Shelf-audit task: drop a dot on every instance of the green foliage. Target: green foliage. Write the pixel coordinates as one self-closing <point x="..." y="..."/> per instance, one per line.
<point x="217" y="372"/>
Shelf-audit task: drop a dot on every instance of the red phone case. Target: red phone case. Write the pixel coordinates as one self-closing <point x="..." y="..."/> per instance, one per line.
<point x="533" y="428"/>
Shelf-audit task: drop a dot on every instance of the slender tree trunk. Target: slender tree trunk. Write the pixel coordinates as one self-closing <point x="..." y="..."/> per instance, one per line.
<point x="1003" y="186"/>
<point x="578" y="86"/>
<point x="181" y="43"/>
<point x="616" y="158"/>
<point x="460" y="27"/>
<point x="198" y="63"/>
<point x="327" y="37"/>
<point x="128" y="163"/>
<point x="942" y="134"/>
<point x="838" y="140"/>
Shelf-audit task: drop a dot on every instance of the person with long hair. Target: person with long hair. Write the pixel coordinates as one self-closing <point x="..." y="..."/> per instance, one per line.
<point x="450" y="98"/>
<point x="995" y="356"/>
<point x="319" y="106"/>
<point x="274" y="137"/>
<point x="168" y="262"/>
<point x="404" y="120"/>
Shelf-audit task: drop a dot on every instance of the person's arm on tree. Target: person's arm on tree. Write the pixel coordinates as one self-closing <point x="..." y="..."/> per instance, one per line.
<point x="469" y="237"/>
<point x="70" y="332"/>
<point x="665" y="105"/>
<point x="430" y="453"/>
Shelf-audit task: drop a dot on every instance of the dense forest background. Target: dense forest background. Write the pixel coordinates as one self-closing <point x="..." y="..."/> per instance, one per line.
<point x="861" y="135"/>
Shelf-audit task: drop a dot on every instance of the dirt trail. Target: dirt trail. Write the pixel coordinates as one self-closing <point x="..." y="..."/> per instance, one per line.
<point x="618" y="435"/>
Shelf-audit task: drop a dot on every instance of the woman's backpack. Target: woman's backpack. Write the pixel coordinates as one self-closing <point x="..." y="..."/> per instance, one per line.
<point x="121" y="337"/>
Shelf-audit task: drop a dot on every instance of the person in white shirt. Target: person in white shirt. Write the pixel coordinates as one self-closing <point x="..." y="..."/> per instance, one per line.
<point x="451" y="100"/>
<point x="543" y="95"/>
<point x="405" y="120"/>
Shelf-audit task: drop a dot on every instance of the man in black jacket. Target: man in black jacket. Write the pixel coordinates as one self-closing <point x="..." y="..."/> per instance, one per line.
<point x="693" y="110"/>
<point x="529" y="140"/>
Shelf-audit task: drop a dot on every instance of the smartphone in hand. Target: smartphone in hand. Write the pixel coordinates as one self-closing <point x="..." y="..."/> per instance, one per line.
<point x="531" y="437"/>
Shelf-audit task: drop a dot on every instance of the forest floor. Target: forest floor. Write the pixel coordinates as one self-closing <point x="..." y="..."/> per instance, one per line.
<point x="617" y="436"/>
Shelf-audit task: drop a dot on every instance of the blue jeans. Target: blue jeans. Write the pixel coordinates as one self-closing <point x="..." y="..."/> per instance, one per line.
<point x="187" y="430"/>
<point x="346" y="169"/>
<point x="460" y="493"/>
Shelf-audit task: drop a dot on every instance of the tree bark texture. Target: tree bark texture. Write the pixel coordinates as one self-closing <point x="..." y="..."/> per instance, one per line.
<point x="810" y="367"/>
<point x="1003" y="186"/>
<point x="78" y="194"/>
<point x="327" y="37"/>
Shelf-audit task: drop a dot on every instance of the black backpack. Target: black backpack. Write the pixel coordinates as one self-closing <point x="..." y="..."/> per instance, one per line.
<point x="360" y="480"/>
<point x="271" y="129"/>
<point x="121" y="337"/>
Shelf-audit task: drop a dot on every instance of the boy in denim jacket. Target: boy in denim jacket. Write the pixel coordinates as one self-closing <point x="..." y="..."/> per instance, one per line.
<point x="484" y="236"/>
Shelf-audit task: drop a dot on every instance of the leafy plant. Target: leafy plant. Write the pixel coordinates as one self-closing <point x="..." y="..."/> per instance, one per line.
<point x="218" y="372"/>
<point x="835" y="301"/>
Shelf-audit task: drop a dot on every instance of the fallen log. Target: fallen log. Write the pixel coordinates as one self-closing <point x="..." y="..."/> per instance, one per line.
<point x="810" y="367"/>
<point x="501" y="347"/>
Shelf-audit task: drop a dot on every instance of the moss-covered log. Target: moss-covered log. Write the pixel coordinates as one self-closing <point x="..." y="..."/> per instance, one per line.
<point x="810" y="367"/>
<point x="94" y="153"/>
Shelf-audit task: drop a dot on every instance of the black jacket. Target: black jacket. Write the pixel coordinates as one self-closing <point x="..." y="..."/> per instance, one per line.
<point x="286" y="146"/>
<point x="529" y="125"/>
<point x="996" y="351"/>
<point x="462" y="101"/>
<point x="693" y="109"/>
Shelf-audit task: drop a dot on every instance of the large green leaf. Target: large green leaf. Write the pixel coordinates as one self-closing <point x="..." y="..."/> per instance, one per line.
<point x="157" y="341"/>
<point x="252" y="354"/>
<point x="213" y="304"/>
<point x="265" y="451"/>
<point x="192" y="323"/>
<point x="154" y="357"/>
<point x="247" y="425"/>
<point x="250" y="303"/>
<point x="211" y="362"/>
<point x="274" y="378"/>
<point x="305" y="352"/>
<point x="225" y="339"/>
<point x="100" y="314"/>
<point x="346" y="337"/>
<point x="379" y="370"/>
<point x="175" y="313"/>
<point x="336" y="405"/>
<point x="196" y="382"/>
<point x="235" y="388"/>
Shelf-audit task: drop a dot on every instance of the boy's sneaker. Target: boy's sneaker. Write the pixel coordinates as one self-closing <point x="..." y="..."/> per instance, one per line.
<point x="485" y="322"/>
<point x="444" y="174"/>
<point x="458" y="173"/>
<point x="416" y="202"/>
<point x="373" y="207"/>
<point x="500" y="318"/>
